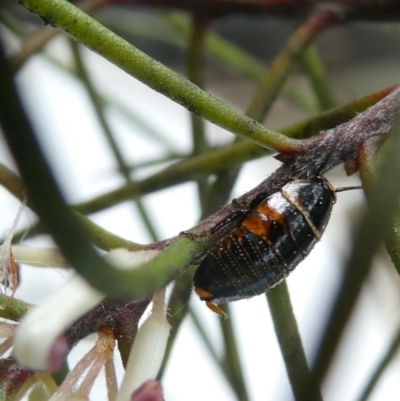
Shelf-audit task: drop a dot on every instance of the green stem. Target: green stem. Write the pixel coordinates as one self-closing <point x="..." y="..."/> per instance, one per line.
<point x="227" y="157"/>
<point x="238" y="60"/>
<point x="36" y="41"/>
<point x="293" y="351"/>
<point x="319" y="21"/>
<point x="178" y="307"/>
<point x="96" y="37"/>
<point x="169" y="157"/>
<point x="222" y="364"/>
<point x="102" y="238"/>
<point x="195" y="74"/>
<point x="369" y="173"/>
<point x="316" y="72"/>
<point x="289" y="339"/>
<point x="15" y="310"/>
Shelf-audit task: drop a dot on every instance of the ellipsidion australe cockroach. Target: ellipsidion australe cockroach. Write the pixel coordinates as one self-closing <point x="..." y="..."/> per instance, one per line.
<point x="268" y="243"/>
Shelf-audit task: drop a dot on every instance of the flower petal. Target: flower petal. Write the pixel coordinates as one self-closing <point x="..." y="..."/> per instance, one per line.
<point x="146" y="354"/>
<point x="40" y="328"/>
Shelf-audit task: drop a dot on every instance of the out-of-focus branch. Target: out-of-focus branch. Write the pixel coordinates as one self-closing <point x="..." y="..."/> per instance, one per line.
<point x="372" y="229"/>
<point x="362" y="10"/>
<point x="42" y="36"/>
<point x="289" y="339"/>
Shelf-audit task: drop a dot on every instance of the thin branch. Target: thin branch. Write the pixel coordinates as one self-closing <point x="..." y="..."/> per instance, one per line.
<point x="358" y="10"/>
<point x="316" y="73"/>
<point x="195" y="74"/>
<point x="178" y="307"/>
<point x="36" y="41"/>
<point x="369" y="174"/>
<point x="15" y="310"/>
<point x="319" y="21"/>
<point x="289" y="339"/>
<point x="96" y="37"/>
<point x="239" y="60"/>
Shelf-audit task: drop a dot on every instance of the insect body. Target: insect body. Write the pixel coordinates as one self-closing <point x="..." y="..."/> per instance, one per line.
<point x="274" y="237"/>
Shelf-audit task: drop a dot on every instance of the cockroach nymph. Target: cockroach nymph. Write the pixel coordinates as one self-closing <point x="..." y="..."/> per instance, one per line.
<point x="267" y="244"/>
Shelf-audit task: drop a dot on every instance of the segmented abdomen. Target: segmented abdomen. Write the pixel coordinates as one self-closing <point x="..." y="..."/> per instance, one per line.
<point x="269" y="243"/>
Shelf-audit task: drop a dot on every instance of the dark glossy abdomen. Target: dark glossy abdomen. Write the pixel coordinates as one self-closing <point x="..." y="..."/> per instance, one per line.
<point x="269" y="243"/>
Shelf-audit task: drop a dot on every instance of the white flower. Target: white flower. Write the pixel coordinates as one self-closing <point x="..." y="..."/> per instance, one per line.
<point x="148" y="350"/>
<point x="39" y="257"/>
<point x="79" y="381"/>
<point x="38" y="341"/>
<point x="40" y="328"/>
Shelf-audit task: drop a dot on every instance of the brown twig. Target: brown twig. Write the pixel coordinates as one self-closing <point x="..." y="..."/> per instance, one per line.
<point x="318" y="155"/>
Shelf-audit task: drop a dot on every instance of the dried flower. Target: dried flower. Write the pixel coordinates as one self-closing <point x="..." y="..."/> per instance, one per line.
<point x="42" y="326"/>
<point x="8" y="267"/>
<point x="79" y="381"/>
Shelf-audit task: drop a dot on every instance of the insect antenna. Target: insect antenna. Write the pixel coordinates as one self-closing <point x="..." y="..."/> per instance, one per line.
<point x="342" y="189"/>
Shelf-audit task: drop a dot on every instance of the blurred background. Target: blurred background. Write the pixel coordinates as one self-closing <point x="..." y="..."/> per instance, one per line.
<point x="152" y="132"/>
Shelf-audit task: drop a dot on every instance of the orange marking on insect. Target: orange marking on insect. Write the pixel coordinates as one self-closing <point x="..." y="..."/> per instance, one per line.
<point x="273" y="214"/>
<point x="256" y="225"/>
